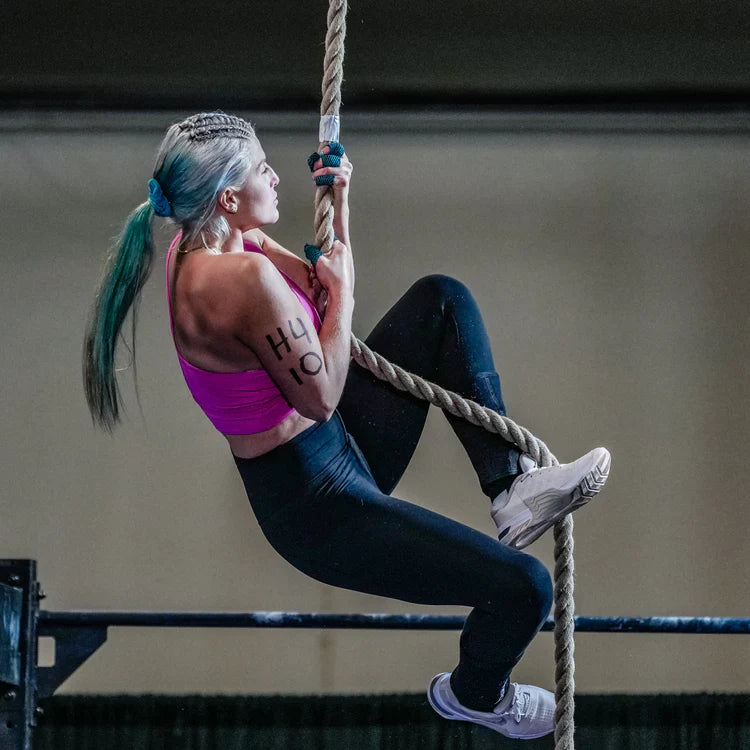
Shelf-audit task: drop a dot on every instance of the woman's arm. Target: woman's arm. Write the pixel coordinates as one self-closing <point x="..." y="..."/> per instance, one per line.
<point x="310" y="368"/>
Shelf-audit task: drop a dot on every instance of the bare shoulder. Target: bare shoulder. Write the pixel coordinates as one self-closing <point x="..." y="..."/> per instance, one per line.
<point x="285" y="260"/>
<point x="270" y="246"/>
<point x="231" y="283"/>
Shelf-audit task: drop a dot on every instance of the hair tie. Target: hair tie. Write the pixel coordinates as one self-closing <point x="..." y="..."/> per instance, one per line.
<point x="157" y="199"/>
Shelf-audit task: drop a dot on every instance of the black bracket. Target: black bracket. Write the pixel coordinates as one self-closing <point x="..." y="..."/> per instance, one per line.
<point x="22" y="680"/>
<point x="73" y="645"/>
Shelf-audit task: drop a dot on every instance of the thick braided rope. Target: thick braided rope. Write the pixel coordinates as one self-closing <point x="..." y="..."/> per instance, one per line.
<point x="459" y="406"/>
<point x="333" y="73"/>
<point x="451" y="402"/>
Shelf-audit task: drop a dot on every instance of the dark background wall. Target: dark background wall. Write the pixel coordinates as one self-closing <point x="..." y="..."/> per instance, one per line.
<point x="145" y="53"/>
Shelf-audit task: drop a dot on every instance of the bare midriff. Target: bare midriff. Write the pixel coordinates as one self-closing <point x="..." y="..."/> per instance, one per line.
<point x="252" y="446"/>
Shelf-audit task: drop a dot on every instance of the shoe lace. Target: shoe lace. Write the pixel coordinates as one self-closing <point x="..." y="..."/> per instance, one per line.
<point x="535" y="471"/>
<point x="518" y="705"/>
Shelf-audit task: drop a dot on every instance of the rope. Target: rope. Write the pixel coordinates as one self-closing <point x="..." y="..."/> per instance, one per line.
<point x="333" y="73"/>
<point x="564" y="610"/>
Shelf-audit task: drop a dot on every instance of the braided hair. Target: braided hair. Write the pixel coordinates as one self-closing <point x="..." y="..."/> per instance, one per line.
<point x="205" y="127"/>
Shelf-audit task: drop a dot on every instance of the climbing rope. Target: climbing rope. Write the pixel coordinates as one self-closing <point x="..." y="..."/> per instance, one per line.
<point x="564" y="610"/>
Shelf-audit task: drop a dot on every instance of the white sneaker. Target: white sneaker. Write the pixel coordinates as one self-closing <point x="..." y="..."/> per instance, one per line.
<point x="525" y="712"/>
<point x="539" y="498"/>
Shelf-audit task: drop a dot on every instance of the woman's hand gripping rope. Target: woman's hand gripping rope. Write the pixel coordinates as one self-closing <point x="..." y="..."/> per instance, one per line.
<point x="332" y="168"/>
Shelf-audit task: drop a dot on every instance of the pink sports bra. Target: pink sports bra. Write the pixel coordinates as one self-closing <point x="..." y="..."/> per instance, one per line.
<point x="239" y="403"/>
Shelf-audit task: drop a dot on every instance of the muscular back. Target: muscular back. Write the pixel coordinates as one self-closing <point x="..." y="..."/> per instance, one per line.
<point x="230" y="312"/>
<point x="212" y="296"/>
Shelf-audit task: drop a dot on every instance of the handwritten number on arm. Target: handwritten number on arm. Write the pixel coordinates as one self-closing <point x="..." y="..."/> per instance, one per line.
<point x="310" y="363"/>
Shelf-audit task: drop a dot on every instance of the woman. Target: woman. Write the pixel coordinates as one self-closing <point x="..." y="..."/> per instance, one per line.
<point x="320" y="445"/>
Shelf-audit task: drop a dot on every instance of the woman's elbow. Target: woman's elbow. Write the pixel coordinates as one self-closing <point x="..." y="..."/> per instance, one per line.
<point x="319" y="412"/>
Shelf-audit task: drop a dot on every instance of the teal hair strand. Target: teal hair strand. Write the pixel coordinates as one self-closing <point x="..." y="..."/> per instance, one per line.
<point x="127" y="270"/>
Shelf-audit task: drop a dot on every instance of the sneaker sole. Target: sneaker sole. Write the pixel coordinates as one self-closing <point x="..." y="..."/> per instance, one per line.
<point x="444" y="712"/>
<point x="590" y="485"/>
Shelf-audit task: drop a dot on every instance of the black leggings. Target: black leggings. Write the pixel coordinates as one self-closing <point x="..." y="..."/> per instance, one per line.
<point x="323" y="498"/>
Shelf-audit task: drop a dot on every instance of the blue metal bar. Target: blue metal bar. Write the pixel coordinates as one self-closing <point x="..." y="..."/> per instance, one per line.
<point x="725" y="625"/>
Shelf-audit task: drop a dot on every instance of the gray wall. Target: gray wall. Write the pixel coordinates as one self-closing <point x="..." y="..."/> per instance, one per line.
<point x="613" y="274"/>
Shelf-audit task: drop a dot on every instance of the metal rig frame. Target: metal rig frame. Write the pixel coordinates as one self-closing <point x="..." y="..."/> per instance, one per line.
<point x="78" y="635"/>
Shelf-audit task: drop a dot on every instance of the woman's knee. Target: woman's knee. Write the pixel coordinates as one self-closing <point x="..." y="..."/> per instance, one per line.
<point x="439" y="287"/>
<point x="532" y="590"/>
